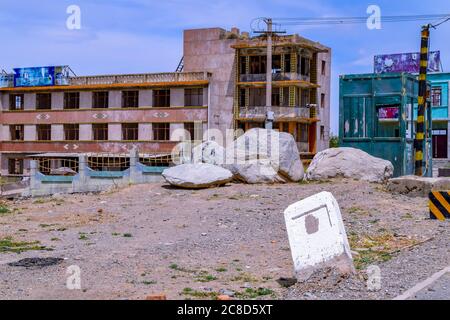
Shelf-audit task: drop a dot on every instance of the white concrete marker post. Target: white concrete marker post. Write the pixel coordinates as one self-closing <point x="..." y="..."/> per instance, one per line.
<point x="317" y="236"/>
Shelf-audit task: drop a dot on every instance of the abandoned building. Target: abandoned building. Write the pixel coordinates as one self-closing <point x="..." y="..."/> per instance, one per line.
<point x="219" y="84"/>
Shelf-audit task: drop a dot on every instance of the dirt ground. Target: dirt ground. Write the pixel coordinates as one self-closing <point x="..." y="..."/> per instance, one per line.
<point x="151" y="239"/>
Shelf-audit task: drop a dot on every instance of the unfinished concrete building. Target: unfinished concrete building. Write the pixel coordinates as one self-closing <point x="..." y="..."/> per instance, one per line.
<point x="220" y="86"/>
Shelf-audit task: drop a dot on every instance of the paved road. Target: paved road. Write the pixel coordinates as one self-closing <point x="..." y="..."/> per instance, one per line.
<point x="439" y="290"/>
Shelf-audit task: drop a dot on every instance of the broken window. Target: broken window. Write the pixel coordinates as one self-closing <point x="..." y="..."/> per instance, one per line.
<point x="130" y="99"/>
<point x="16" y="102"/>
<point x="130" y="131"/>
<point x="161" y="98"/>
<point x="242" y="98"/>
<point x="305" y="66"/>
<point x="15" y="166"/>
<point x="355" y="116"/>
<point x="193" y="97"/>
<point x="258" y="64"/>
<point x="44" y="132"/>
<point x="303" y="132"/>
<point x="43" y="101"/>
<point x="71" y="132"/>
<point x="17" y="132"/>
<point x="287" y="62"/>
<point x="71" y="100"/>
<point x="388" y="118"/>
<point x="276" y="63"/>
<point x="100" y="131"/>
<point x="100" y="100"/>
<point x="276" y="97"/>
<point x="242" y="65"/>
<point x="436" y="96"/>
<point x="161" y="131"/>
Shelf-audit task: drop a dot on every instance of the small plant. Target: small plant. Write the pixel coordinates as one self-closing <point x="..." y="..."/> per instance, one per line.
<point x="205" y="278"/>
<point x="9" y="245"/>
<point x="83" y="236"/>
<point x="199" y="294"/>
<point x="127" y="235"/>
<point x="149" y="282"/>
<point x="115" y="234"/>
<point x="221" y="269"/>
<point x="334" y="141"/>
<point x="251" y="293"/>
<point x="4" y="209"/>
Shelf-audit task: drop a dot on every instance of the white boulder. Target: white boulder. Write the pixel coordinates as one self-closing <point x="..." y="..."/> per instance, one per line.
<point x="197" y="176"/>
<point x="256" y="172"/>
<point x="349" y="163"/>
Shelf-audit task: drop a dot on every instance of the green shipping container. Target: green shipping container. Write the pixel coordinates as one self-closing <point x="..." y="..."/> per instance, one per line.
<point x="376" y="115"/>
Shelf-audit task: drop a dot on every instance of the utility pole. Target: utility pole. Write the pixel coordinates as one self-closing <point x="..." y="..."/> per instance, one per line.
<point x="269" y="33"/>
<point x="422" y="100"/>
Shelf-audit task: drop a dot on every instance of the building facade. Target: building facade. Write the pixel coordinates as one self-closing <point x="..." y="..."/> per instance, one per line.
<point x="221" y="87"/>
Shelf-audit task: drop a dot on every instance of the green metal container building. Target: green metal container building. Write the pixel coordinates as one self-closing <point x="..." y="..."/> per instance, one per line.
<point x="376" y="115"/>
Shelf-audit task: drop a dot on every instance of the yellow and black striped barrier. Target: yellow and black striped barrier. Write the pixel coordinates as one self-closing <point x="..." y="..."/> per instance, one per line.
<point x="439" y="205"/>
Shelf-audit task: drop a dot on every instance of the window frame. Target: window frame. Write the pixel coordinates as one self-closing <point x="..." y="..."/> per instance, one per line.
<point x="130" y="129"/>
<point x="43" y="131"/>
<point x="71" y="100"/>
<point x="95" y="100"/>
<point x="130" y="99"/>
<point x="13" y="102"/>
<point x="43" y="106"/>
<point x="96" y="129"/>
<point x="156" y="130"/>
<point x="191" y="99"/>
<point x="161" y="98"/>
<point x="71" y="131"/>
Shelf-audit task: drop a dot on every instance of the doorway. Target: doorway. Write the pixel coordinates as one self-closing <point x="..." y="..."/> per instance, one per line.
<point x="440" y="143"/>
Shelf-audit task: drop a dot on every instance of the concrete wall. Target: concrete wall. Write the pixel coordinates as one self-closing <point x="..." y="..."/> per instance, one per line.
<point x="324" y="113"/>
<point x="29" y="101"/>
<point x="4" y="101"/>
<point x="145" y="132"/>
<point x="176" y="133"/>
<point x="5" y="133"/>
<point x="209" y="50"/>
<point x="57" y="100"/>
<point x="85" y="132"/>
<point x="115" y="99"/>
<point x="115" y="131"/>
<point x="85" y="100"/>
<point x="145" y="98"/>
<point x="177" y="97"/>
<point x="57" y="132"/>
<point x="30" y="133"/>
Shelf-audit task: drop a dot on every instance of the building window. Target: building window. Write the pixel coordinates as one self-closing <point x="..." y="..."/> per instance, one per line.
<point x="322" y="133"/>
<point x="100" y="100"/>
<point x="190" y="128"/>
<point x="276" y="97"/>
<point x="130" y="131"/>
<point x="305" y="66"/>
<point x="241" y="97"/>
<point x="44" y="132"/>
<point x="436" y="96"/>
<point x="17" y="132"/>
<point x="71" y="132"/>
<point x="193" y="97"/>
<point x="303" y="132"/>
<point x="16" y="102"/>
<point x="43" y="101"/>
<point x="305" y="96"/>
<point x="258" y="64"/>
<point x="287" y="62"/>
<point x="322" y="100"/>
<point x="130" y="99"/>
<point x="242" y="65"/>
<point x="161" y="98"/>
<point x="324" y="66"/>
<point x="100" y="131"/>
<point x="15" y="166"/>
<point x="71" y="100"/>
<point x="161" y="131"/>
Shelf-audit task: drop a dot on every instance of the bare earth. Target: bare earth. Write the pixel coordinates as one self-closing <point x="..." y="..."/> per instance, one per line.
<point x="151" y="239"/>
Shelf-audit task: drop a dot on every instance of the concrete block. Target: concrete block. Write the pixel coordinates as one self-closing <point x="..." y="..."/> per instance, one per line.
<point x="414" y="186"/>
<point x="317" y="236"/>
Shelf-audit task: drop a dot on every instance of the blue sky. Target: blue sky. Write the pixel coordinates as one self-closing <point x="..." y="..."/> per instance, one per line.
<point x="133" y="36"/>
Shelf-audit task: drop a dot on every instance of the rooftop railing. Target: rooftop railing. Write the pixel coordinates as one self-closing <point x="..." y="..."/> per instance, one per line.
<point x="279" y="112"/>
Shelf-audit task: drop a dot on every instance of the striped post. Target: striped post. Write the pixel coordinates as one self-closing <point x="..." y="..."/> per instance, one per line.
<point x="420" y="126"/>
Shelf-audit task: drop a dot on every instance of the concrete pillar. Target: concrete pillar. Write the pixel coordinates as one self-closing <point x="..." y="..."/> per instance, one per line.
<point x="205" y="97"/>
<point x="115" y="99"/>
<point x="57" y="132"/>
<point x="81" y="180"/>
<point x="4" y="102"/>
<point x="33" y="175"/>
<point x="85" y="132"/>
<point x="85" y="100"/>
<point x="176" y="132"/>
<point x="57" y="100"/>
<point x="115" y="131"/>
<point x="177" y="97"/>
<point x="134" y="172"/>
<point x="29" y="101"/>
<point x="30" y="133"/>
<point x="145" y="98"/>
<point x="145" y="132"/>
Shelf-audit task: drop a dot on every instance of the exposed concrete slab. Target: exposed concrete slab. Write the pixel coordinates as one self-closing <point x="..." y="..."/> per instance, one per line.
<point x="414" y="186"/>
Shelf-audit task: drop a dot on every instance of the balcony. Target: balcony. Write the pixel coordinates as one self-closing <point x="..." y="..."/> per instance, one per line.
<point x="141" y="78"/>
<point x="282" y="76"/>
<point x="280" y="113"/>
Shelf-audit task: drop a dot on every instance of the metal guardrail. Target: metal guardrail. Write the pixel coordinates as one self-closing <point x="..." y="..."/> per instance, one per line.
<point x="283" y="76"/>
<point x="140" y="78"/>
<point x="280" y="112"/>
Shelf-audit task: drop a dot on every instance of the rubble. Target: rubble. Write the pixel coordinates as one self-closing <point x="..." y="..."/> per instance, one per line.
<point x="414" y="186"/>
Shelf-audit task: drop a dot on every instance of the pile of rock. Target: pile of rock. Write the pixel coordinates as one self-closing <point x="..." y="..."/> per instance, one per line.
<point x="259" y="156"/>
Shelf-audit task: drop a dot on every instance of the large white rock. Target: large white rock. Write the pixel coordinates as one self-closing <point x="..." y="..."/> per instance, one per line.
<point x="197" y="176"/>
<point x="255" y="172"/>
<point x="279" y="147"/>
<point x="317" y="236"/>
<point x="349" y="163"/>
<point x="209" y="152"/>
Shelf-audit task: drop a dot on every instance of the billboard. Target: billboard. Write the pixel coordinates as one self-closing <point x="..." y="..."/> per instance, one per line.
<point x="41" y="76"/>
<point x="405" y="62"/>
<point x="6" y="80"/>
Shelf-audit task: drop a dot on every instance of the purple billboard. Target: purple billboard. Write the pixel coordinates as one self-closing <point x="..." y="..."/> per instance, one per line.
<point x="405" y="62"/>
